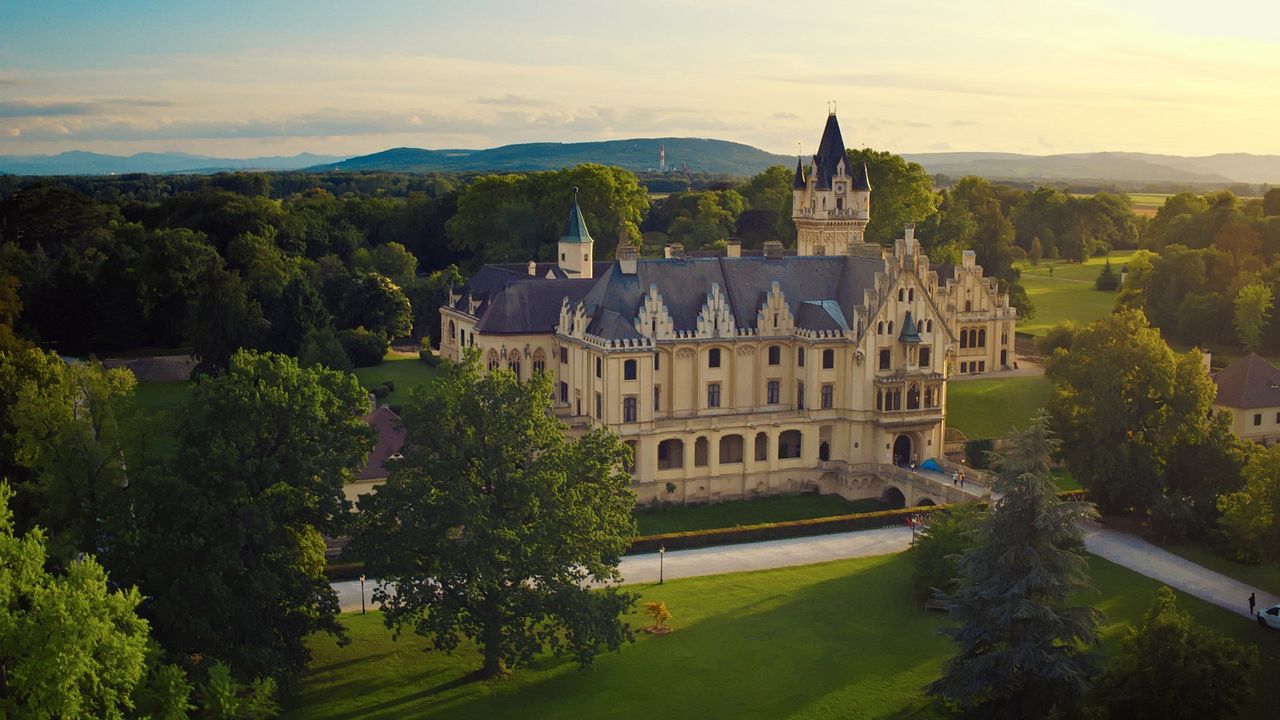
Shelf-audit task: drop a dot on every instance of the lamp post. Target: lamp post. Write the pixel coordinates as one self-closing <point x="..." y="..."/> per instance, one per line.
<point x="662" y="556"/>
<point x="361" y="594"/>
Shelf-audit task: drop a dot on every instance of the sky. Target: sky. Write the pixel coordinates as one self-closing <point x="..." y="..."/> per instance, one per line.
<point x="267" y="77"/>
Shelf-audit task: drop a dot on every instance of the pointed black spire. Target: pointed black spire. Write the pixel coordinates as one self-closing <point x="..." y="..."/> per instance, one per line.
<point x="799" y="182"/>
<point x="830" y="152"/>
<point x="862" y="180"/>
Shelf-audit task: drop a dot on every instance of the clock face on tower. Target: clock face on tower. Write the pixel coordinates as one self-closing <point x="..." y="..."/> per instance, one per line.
<point x="839" y="187"/>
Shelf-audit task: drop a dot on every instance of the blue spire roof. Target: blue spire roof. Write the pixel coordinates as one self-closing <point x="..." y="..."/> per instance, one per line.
<point x="798" y="182"/>
<point x="575" y="228"/>
<point x="910" y="333"/>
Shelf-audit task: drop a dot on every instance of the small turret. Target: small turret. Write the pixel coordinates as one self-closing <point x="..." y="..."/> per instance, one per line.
<point x="576" y="246"/>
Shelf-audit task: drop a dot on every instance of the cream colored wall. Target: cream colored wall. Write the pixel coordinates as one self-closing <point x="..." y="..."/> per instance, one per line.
<point x="989" y="312"/>
<point x="1268" y="432"/>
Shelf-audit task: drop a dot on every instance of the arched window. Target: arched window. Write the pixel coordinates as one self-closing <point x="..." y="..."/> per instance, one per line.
<point x="901" y="294"/>
<point x="911" y="294"/>
<point x="539" y="360"/>
<point x="789" y="445"/>
<point x="493" y="360"/>
<point x="671" y="454"/>
<point x="700" y="452"/>
<point x="964" y="339"/>
<point x="879" y="399"/>
<point x="968" y="305"/>
<point x="890" y="327"/>
<point x="452" y="329"/>
<point x="880" y="328"/>
<point x="913" y="397"/>
<point x="762" y="446"/>
<point x="824" y="450"/>
<point x="982" y="337"/>
<point x="730" y="449"/>
<point x="928" y="326"/>
<point x="513" y="362"/>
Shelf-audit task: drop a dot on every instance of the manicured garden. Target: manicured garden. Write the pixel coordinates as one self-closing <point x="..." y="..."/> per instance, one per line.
<point x="835" y="640"/>
<point x="683" y="518"/>
<point x="989" y="408"/>
<point x="1067" y="294"/>
<point x="405" y="371"/>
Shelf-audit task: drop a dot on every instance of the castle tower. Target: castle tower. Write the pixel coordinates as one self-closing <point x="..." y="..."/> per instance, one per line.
<point x="576" y="247"/>
<point x="832" y="204"/>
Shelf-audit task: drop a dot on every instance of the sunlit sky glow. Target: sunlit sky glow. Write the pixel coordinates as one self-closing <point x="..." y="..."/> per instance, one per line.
<point x="239" y="79"/>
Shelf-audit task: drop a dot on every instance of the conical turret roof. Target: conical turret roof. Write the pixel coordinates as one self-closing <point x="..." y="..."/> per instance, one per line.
<point x="575" y="228"/>
<point x="910" y="333"/>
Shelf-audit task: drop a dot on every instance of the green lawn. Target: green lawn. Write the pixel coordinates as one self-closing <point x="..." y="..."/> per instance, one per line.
<point x="146" y="421"/>
<point x="1068" y="294"/>
<point x="680" y="518"/>
<point x="1264" y="577"/>
<point x="1062" y="478"/>
<point x="836" y="640"/>
<point x="405" y="371"/>
<point x="989" y="408"/>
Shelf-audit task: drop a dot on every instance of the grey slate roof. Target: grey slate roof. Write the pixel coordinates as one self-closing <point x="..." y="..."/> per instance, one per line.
<point x="575" y="228"/>
<point x="1250" y="382"/>
<point x="822" y="292"/>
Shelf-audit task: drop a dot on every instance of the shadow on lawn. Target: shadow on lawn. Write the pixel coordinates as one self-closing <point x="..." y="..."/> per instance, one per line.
<point x="845" y="645"/>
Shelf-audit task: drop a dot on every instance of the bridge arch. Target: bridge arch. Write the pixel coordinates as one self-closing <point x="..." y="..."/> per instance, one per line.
<point x="892" y="498"/>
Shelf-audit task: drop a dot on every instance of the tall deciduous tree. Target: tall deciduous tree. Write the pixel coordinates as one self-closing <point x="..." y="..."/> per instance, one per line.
<point x="65" y="431"/>
<point x="901" y="192"/>
<point x="70" y="646"/>
<point x="1121" y="399"/>
<point x="494" y="523"/>
<point x="1252" y="309"/>
<point x="228" y="545"/>
<point x="1022" y="650"/>
<point x="1170" y="668"/>
<point x="1250" y="519"/>
<point x="379" y="305"/>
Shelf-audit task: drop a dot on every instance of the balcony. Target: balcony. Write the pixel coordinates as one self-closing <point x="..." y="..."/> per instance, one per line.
<point x="908" y="416"/>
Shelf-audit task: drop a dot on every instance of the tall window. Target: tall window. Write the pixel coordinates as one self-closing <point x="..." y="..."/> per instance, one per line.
<point x="713" y="395"/>
<point x="599" y="367"/>
<point x="657" y="361"/>
<point x="828" y="359"/>
<point x="771" y="392"/>
<point x="762" y="446"/>
<point x="789" y="444"/>
<point x="775" y="354"/>
<point x="713" y="357"/>
<point x="924" y="357"/>
<point x="884" y="359"/>
<point x="564" y="392"/>
<point x="730" y="449"/>
<point x="628" y="409"/>
<point x="539" y="360"/>
<point x="828" y="396"/>
<point x="564" y="354"/>
<point x="599" y="406"/>
<point x="493" y="360"/>
<point x="657" y="398"/>
<point x="800" y="357"/>
<point x="982" y="337"/>
<point x="799" y="396"/>
<point x="628" y="369"/>
<point x="700" y="452"/>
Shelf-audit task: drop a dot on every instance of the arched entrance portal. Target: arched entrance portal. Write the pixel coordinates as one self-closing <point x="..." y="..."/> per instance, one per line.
<point x="902" y="450"/>
<point x="893" y="498"/>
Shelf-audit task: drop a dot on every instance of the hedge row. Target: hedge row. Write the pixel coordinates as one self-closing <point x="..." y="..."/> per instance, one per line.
<point x="792" y="528"/>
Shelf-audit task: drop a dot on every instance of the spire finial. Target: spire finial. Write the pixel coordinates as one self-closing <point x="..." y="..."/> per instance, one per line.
<point x="575" y="193"/>
<point x="831" y="107"/>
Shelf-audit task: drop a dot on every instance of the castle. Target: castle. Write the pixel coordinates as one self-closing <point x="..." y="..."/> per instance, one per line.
<point x="749" y="374"/>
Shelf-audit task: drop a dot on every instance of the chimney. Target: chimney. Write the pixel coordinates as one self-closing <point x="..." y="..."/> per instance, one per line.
<point x="909" y="232"/>
<point x="627" y="259"/>
<point x="733" y="248"/>
<point x="674" y="250"/>
<point x="533" y="268"/>
<point x="773" y="249"/>
<point x="969" y="259"/>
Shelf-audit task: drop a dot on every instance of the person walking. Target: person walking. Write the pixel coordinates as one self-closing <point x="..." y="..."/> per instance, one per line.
<point x="1253" y="602"/>
<point x="955" y="478"/>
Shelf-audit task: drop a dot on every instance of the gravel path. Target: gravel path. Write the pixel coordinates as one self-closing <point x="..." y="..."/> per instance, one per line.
<point x="1123" y="549"/>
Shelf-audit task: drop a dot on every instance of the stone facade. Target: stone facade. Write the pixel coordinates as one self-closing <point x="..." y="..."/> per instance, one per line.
<point x="737" y="376"/>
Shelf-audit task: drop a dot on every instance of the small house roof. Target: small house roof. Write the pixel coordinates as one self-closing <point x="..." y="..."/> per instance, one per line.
<point x="1250" y="382"/>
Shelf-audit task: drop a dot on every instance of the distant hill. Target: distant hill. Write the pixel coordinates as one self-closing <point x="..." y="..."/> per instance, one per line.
<point x="77" y="162"/>
<point x="1106" y="166"/>
<point x="640" y="154"/>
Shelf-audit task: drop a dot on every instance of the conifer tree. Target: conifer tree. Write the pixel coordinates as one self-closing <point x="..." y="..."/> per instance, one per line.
<point x="1022" y="650"/>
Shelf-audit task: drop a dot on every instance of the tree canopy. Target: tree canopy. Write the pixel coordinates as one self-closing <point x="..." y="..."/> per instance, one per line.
<point x="494" y="524"/>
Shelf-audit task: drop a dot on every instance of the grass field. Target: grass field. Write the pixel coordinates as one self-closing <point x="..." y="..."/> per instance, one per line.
<point x="404" y="370"/>
<point x="1068" y="294"/>
<point x="836" y="640"/>
<point x="989" y="408"/>
<point x="680" y="518"/>
<point x="1265" y="577"/>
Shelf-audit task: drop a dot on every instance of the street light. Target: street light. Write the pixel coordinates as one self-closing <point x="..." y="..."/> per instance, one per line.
<point x="361" y="594"/>
<point x="662" y="556"/>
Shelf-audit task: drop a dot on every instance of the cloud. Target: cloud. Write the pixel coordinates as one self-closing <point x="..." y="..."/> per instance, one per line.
<point x="940" y="146"/>
<point x="510" y="99"/>
<point x="73" y="108"/>
<point x="1044" y="142"/>
<point x="784" y="116"/>
<point x="963" y="123"/>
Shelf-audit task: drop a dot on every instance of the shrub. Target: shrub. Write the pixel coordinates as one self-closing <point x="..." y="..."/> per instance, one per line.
<point x="937" y="547"/>
<point x="976" y="451"/>
<point x="391" y="386"/>
<point x="428" y="357"/>
<point x="1172" y="519"/>
<point x="366" y="349"/>
<point x="321" y="347"/>
<point x="1107" y="279"/>
<point x="380" y="391"/>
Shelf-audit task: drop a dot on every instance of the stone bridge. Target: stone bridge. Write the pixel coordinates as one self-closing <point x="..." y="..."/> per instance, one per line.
<point x="901" y="487"/>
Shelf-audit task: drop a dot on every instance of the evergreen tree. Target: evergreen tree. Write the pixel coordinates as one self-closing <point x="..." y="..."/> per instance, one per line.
<point x="1108" y="279"/>
<point x="1022" y="651"/>
<point x="1036" y="252"/>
